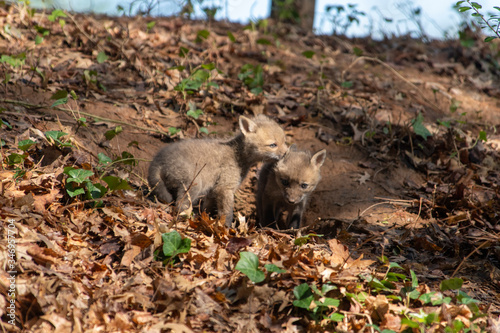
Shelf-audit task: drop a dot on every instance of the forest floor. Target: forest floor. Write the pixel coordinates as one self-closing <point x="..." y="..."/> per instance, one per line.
<point x="402" y="231"/>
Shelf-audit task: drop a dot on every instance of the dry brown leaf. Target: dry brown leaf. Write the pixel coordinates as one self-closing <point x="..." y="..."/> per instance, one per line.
<point x="181" y="328"/>
<point x="391" y="322"/>
<point x="340" y="253"/>
<point x="61" y="325"/>
<point x="236" y="244"/>
<point x="42" y="200"/>
<point x="129" y="255"/>
<point x="141" y="240"/>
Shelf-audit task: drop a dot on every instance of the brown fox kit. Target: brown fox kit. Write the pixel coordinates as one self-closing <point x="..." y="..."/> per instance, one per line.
<point x="214" y="168"/>
<point x="284" y="187"/>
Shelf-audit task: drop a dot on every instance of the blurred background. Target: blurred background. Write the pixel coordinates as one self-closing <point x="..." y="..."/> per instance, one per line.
<point x="426" y="19"/>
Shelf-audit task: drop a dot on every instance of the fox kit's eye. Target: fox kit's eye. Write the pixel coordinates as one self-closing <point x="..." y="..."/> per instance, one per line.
<point x="304" y="185"/>
<point x="285" y="182"/>
<point x="273" y="145"/>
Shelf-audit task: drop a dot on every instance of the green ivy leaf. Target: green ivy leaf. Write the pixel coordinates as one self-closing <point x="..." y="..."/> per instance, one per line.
<point x="308" y="54"/>
<point x="102" y="57"/>
<point x="209" y="66"/>
<point x="173" y="244"/>
<point x="59" y="102"/>
<point x="95" y="191"/>
<point x="327" y="301"/>
<point x="451" y="284"/>
<point x="419" y="127"/>
<point x="231" y="36"/>
<point x="482" y="136"/>
<point x="337" y="317"/>
<point x="202" y="34"/>
<point x="414" y="279"/>
<point x="183" y="52"/>
<point x="446" y="124"/>
<point x="25" y="144"/>
<point x="55" y="136"/>
<point x="327" y="287"/>
<point x="173" y="130"/>
<point x="194" y="113"/>
<point x="59" y="94"/>
<point x="38" y="40"/>
<point x="14" y="60"/>
<point x="303" y="295"/>
<point x="394" y="265"/>
<point x="13" y="159"/>
<point x="79" y="175"/>
<point x="55" y="14"/>
<point x="150" y="25"/>
<point x="116" y="183"/>
<point x="409" y="322"/>
<point x="127" y="158"/>
<point x="272" y="268"/>
<point x="263" y="41"/>
<point x="357" y="51"/>
<point x="113" y="132"/>
<point x="43" y="31"/>
<point x="103" y="159"/>
<point x="249" y="265"/>
<point x="346" y="84"/>
<point x="74" y="191"/>
<point x="391" y="276"/>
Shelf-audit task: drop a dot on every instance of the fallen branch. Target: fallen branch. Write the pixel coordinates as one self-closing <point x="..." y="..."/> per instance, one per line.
<point x="395" y="72"/>
<point x="107" y="120"/>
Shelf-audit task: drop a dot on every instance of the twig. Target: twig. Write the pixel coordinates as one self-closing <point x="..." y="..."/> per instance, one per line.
<point x="469" y="255"/>
<point x="104" y="199"/>
<point x="419" y="212"/>
<point x="395" y="72"/>
<point x="377" y="204"/>
<point x="187" y="191"/>
<point x="81" y="30"/>
<point x="362" y="315"/>
<point x="399" y="201"/>
<point x="69" y="111"/>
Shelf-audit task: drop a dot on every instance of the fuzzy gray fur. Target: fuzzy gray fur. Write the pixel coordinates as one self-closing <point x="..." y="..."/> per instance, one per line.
<point x="214" y="169"/>
<point x="284" y="187"/>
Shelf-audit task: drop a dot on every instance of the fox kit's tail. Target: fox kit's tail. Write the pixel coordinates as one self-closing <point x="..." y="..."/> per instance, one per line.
<point x="158" y="185"/>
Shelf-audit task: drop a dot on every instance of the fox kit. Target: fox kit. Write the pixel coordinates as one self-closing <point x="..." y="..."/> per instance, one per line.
<point x="284" y="187"/>
<point x="214" y="168"/>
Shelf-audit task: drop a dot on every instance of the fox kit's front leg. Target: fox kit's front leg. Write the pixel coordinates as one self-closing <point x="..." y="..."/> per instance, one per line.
<point x="294" y="219"/>
<point x="224" y="198"/>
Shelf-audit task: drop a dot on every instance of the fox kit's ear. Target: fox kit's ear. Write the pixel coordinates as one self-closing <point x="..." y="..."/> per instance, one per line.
<point x="247" y="125"/>
<point x="293" y="147"/>
<point x="319" y="158"/>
